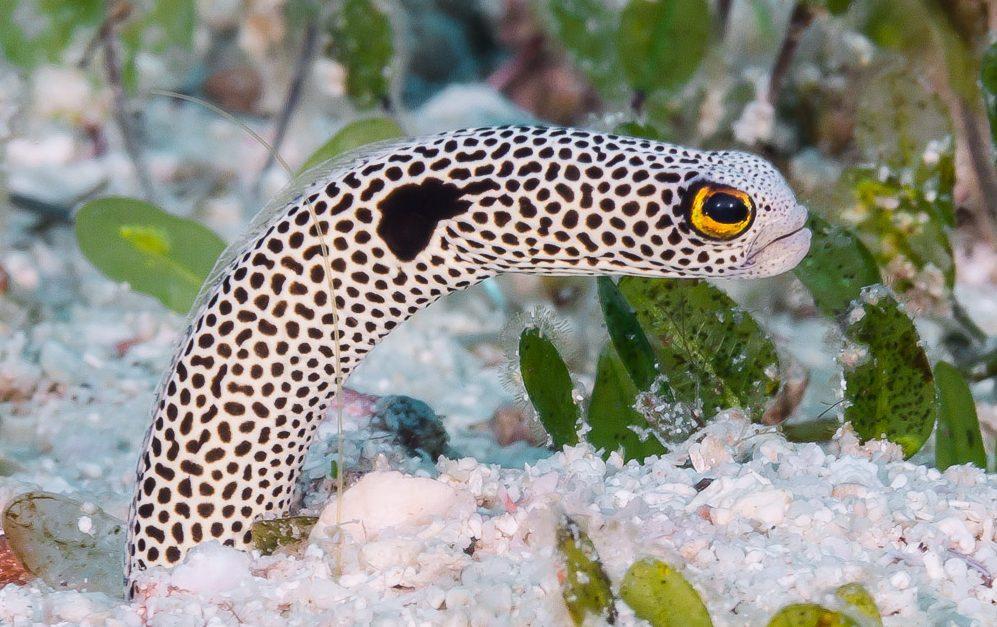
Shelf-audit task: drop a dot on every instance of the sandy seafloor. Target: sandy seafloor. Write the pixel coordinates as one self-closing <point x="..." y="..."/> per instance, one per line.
<point x="780" y="522"/>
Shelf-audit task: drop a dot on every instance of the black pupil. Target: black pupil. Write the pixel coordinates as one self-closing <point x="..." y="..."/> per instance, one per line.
<point x="726" y="208"/>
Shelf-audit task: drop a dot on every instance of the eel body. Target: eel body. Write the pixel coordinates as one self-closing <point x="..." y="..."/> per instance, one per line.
<point x="405" y="224"/>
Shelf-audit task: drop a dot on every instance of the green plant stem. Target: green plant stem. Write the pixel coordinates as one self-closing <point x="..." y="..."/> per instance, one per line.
<point x="294" y="90"/>
<point x="119" y="99"/>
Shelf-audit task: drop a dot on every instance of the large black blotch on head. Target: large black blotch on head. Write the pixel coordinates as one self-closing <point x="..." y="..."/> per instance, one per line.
<point x="410" y="213"/>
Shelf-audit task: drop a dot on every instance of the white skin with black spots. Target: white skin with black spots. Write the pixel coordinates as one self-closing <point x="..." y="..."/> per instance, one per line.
<point x="405" y="225"/>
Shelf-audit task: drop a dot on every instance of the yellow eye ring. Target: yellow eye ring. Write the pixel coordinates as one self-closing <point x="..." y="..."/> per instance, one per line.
<point x="720" y="212"/>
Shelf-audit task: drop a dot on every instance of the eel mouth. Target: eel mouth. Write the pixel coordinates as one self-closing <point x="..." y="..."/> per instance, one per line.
<point x="754" y="255"/>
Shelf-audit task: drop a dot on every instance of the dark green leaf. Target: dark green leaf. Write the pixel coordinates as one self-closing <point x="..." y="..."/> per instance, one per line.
<point x="810" y="615"/>
<point x="819" y="430"/>
<point x="585" y="28"/>
<point x="362" y="41"/>
<point x="837" y="7"/>
<point x="660" y="595"/>
<point x="628" y="338"/>
<point x="890" y="390"/>
<point x="155" y="252"/>
<point x="638" y="129"/>
<point x="586" y="587"/>
<point x="707" y="346"/>
<point x="352" y="136"/>
<point x="837" y="267"/>
<point x="269" y="535"/>
<point x="611" y="414"/>
<point x="662" y="42"/>
<point x="549" y="387"/>
<point x="958" y="440"/>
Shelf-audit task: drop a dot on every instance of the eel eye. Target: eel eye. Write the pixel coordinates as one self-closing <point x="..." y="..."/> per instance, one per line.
<point x="721" y="212"/>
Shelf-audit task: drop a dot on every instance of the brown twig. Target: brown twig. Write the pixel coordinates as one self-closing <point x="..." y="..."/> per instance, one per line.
<point x="112" y="68"/>
<point x="723" y="16"/>
<point x="803" y="14"/>
<point x="294" y="90"/>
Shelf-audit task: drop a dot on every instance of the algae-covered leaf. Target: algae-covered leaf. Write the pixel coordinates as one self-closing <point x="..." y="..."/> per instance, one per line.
<point x="586" y="28"/>
<point x="810" y="615"/>
<point x="66" y="543"/>
<point x="660" y="595"/>
<point x="628" y="338"/>
<point x="708" y="347"/>
<point x="548" y="384"/>
<point x="611" y="416"/>
<point x="352" y="136"/>
<point x="270" y="535"/>
<point x="888" y="384"/>
<point x="861" y="602"/>
<point x="362" y="40"/>
<point x="662" y="42"/>
<point x="820" y="430"/>
<point x="837" y="267"/>
<point x="958" y="440"/>
<point x="153" y="251"/>
<point x="585" y="586"/>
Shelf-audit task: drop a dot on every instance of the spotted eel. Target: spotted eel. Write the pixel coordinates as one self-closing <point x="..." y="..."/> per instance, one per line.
<point x="399" y="226"/>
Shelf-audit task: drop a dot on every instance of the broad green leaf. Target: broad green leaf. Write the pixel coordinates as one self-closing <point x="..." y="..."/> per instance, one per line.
<point x="958" y="440"/>
<point x="65" y="542"/>
<point x="611" y="414"/>
<point x="634" y="351"/>
<point x="586" y="29"/>
<point x="39" y="31"/>
<point x="989" y="78"/>
<point x="155" y="252"/>
<point x="270" y="535"/>
<point x="362" y="41"/>
<point x="810" y="615"/>
<point x="837" y="267"/>
<point x="352" y="136"/>
<point x="859" y="599"/>
<point x="662" y="42"/>
<point x="640" y="129"/>
<point x="707" y="346"/>
<point x="585" y="587"/>
<point x="660" y="595"/>
<point x="889" y="389"/>
<point x="549" y="387"/>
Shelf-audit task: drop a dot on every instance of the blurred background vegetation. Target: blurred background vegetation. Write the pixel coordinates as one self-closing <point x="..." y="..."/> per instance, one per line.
<point x="879" y="112"/>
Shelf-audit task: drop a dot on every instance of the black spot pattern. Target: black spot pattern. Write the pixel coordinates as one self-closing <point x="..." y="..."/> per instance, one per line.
<point x="256" y="372"/>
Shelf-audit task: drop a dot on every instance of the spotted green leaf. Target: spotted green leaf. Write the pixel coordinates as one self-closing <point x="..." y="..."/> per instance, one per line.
<point x="706" y="345"/>
<point x="549" y="387"/>
<point x="611" y="416"/>
<point x="155" y="252"/>
<point x="861" y="602"/>
<point x="585" y="587"/>
<point x="270" y="535"/>
<point x="820" y="430"/>
<point x="660" y="595"/>
<point x="352" y="136"/>
<point x="361" y="39"/>
<point x="837" y="267"/>
<point x="662" y="42"/>
<point x="958" y="440"/>
<point x="810" y="615"/>
<point x="889" y="387"/>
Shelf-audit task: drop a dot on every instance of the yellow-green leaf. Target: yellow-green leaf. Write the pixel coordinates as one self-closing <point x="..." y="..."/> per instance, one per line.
<point x="269" y="535"/>
<point x="661" y="595"/>
<point x="155" y="252"/>
<point x="586" y="586"/>
<point x="810" y="615"/>
<point x="858" y="598"/>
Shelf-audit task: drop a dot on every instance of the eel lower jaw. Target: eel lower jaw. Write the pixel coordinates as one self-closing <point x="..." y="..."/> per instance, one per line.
<point x="780" y="254"/>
